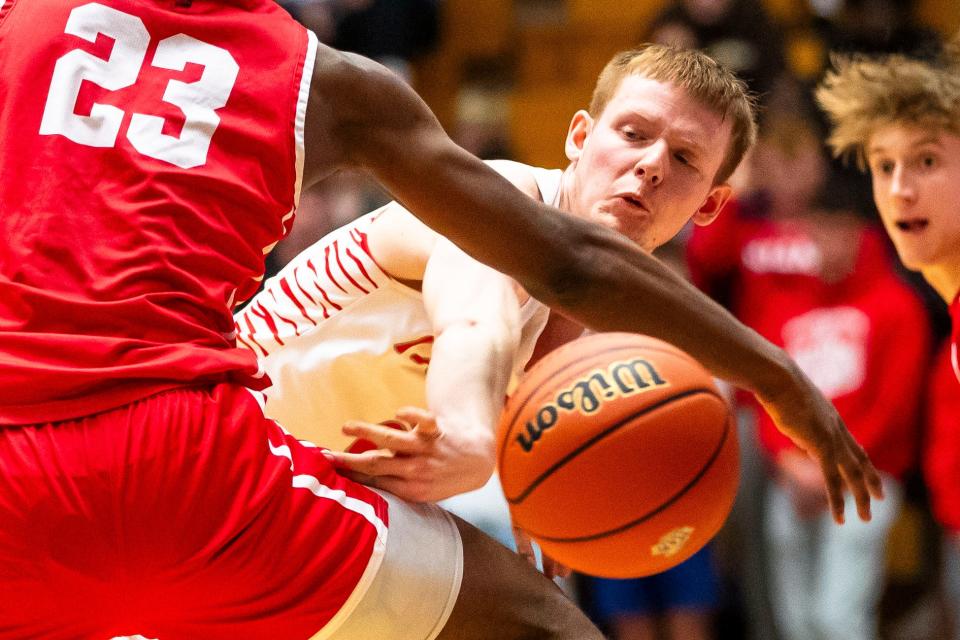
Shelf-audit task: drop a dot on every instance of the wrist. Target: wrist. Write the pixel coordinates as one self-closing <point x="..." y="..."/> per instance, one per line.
<point x="475" y="434"/>
<point x="779" y="377"/>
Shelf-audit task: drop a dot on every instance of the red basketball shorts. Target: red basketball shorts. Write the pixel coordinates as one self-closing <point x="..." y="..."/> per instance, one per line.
<point x="184" y="515"/>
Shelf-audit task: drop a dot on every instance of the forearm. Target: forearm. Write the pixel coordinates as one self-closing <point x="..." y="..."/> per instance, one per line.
<point x="616" y="288"/>
<point x="468" y="377"/>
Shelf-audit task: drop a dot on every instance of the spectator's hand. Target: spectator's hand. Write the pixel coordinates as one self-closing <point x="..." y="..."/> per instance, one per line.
<point x="806" y="417"/>
<point x="551" y="568"/>
<point x="423" y="464"/>
<point x="803" y="480"/>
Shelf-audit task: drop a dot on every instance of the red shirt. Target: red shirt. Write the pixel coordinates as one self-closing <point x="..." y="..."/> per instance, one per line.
<point x="863" y="340"/>
<point x="133" y="215"/>
<point x="941" y="462"/>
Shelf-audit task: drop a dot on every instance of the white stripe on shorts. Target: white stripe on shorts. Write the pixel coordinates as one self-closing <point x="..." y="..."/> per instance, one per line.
<point x="366" y="510"/>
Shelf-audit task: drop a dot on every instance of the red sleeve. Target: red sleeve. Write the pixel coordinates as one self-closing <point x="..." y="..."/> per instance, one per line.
<point x="941" y="463"/>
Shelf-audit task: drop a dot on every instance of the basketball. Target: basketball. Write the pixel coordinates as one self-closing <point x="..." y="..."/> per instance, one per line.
<point x="618" y="455"/>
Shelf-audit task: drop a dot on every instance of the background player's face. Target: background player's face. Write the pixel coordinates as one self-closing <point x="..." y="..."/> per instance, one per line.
<point x="916" y="185"/>
<point x="646" y="165"/>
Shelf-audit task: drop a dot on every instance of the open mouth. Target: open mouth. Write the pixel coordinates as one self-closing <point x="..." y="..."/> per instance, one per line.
<point x="633" y="202"/>
<point x="911" y="226"/>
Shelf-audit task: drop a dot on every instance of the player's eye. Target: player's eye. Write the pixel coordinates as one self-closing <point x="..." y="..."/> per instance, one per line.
<point x="928" y="161"/>
<point x="883" y="167"/>
<point x="682" y="158"/>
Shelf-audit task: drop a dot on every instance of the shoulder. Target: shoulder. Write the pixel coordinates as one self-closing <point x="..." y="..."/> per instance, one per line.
<point x="523" y="176"/>
<point x="402" y="244"/>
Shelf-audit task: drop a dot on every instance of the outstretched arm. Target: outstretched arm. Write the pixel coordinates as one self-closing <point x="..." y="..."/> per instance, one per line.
<point x="361" y="115"/>
<point x="450" y="449"/>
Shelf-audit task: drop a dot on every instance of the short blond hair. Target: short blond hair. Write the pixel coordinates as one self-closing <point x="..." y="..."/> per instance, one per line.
<point x="861" y="93"/>
<point x="703" y="78"/>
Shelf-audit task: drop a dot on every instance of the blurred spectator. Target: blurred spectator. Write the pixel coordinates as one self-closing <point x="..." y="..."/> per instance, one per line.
<point x="322" y="16"/>
<point x="816" y="278"/>
<point x="737" y="33"/>
<point x="785" y="172"/>
<point x="875" y="26"/>
<point x="482" y="119"/>
<point x="788" y="167"/>
<point x="863" y="337"/>
<point x="392" y="32"/>
<point x="389" y="31"/>
<point x="328" y="205"/>
<point x="679" y="602"/>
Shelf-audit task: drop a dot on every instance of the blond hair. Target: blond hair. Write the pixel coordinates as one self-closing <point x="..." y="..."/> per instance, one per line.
<point x="862" y="93"/>
<point x="704" y="79"/>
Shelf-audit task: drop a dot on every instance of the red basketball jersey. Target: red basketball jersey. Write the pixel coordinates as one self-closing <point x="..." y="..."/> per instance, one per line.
<point x="151" y="154"/>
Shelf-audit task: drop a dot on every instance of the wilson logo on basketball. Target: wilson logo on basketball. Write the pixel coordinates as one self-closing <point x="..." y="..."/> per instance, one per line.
<point x="620" y="379"/>
<point x="671" y="543"/>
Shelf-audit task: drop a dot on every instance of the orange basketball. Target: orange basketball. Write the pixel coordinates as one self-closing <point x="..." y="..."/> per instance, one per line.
<point x="618" y="455"/>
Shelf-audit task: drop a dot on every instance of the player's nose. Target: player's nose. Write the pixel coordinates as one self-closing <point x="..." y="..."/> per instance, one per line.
<point x="901" y="185"/>
<point x="651" y="165"/>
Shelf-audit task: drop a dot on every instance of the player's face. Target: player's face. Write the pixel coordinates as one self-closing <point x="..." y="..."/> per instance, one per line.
<point x="646" y="165"/>
<point x="916" y="185"/>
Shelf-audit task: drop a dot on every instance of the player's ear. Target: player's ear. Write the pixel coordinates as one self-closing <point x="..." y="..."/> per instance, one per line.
<point x="580" y="127"/>
<point x="712" y="205"/>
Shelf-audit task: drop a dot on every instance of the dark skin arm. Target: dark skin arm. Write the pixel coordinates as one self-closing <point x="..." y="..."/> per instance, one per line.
<point x="360" y="115"/>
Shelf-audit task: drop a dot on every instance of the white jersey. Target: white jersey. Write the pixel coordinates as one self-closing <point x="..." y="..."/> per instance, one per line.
<point x="342" y="340"/>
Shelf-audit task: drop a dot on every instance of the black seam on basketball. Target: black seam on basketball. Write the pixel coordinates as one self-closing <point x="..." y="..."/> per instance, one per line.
<point x="603" y="434"/>
<point x="603" y="534"/>
<point x="524" y="402"/>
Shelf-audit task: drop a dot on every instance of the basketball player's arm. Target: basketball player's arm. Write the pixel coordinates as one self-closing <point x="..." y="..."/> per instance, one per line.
<point x="361" y="115"/>
<point x="475" y="315"/>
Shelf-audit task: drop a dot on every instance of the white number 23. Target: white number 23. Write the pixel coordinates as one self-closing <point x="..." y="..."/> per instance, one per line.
<point x="198" y="100"/>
